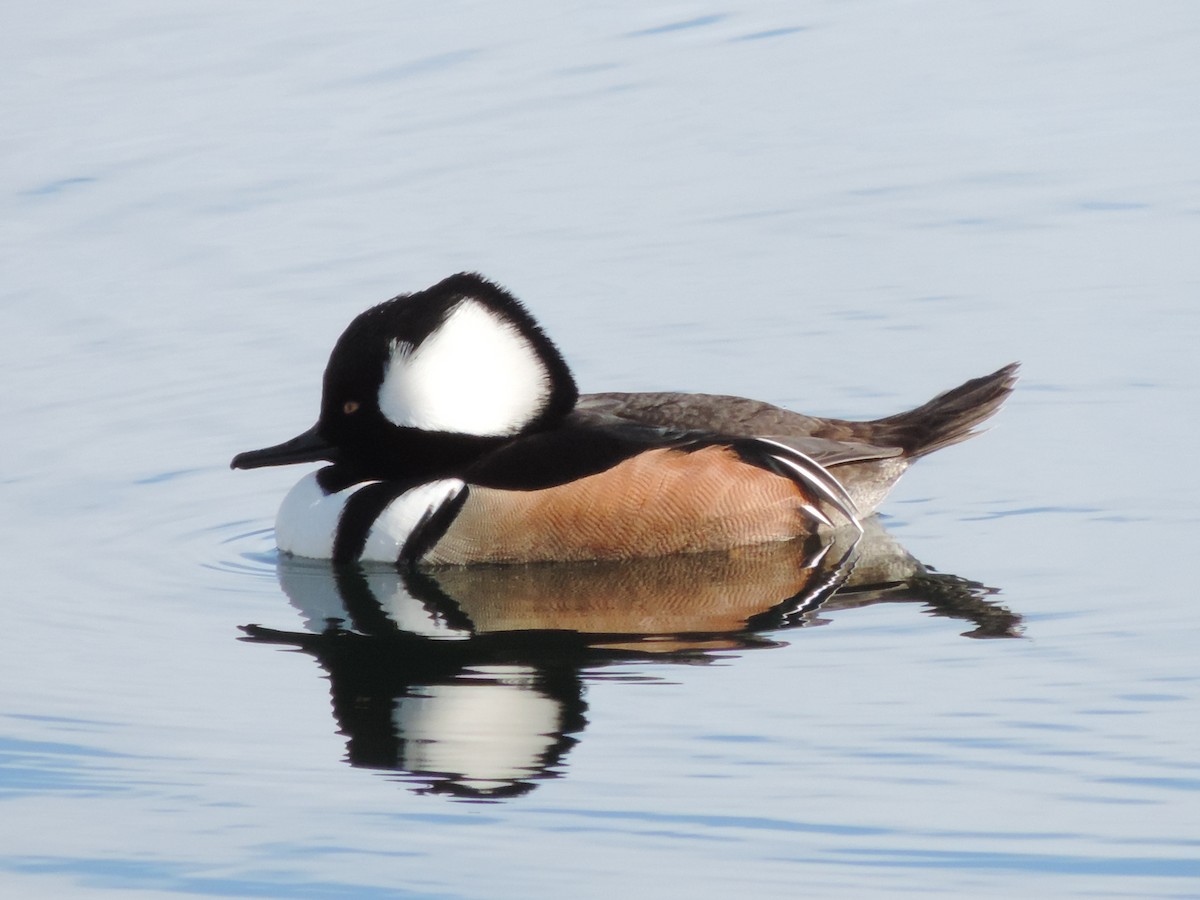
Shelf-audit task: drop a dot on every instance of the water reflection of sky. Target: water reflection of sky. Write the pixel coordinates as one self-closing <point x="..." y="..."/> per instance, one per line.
<point x="841" y="208"/>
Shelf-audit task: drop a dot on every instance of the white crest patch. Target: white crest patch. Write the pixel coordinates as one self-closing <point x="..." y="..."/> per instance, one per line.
<point x="476" y="374"/>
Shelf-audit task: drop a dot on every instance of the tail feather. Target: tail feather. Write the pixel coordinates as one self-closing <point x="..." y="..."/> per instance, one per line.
<point x="948" y="418"/>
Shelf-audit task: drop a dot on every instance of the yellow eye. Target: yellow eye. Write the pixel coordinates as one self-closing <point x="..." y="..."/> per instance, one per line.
<point x="350" y="406"/>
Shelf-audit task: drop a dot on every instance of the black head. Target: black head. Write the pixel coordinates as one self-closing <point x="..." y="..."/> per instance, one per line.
<point x="452" y="370"/>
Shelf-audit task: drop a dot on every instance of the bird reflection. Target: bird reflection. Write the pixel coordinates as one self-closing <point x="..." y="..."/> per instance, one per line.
<point x="466" y="680"/>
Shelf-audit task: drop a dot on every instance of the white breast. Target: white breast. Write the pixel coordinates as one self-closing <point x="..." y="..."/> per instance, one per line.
<point x="308" y="519"/>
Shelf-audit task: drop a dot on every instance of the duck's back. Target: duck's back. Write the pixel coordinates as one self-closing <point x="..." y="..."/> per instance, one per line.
<point x="867" y="457"/>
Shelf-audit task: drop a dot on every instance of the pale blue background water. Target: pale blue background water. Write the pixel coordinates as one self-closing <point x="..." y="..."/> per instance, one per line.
<point x="845" y="207"/>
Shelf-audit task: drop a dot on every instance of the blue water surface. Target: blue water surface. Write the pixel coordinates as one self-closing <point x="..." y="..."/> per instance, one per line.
<point x="843" y="208"/>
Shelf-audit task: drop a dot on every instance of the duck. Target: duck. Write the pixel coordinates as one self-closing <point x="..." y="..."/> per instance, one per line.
<point x="453" y="434"/>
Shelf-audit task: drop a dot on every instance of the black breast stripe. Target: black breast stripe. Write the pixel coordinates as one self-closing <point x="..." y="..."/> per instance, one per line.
<point x="431" y="527"/>
<point x="359" y="514"/>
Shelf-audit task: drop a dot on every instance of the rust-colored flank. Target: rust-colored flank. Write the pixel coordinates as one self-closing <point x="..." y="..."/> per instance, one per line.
<point x="658" y="502"/>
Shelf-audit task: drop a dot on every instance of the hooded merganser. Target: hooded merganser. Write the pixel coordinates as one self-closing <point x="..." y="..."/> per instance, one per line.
<point x="457" y="435"/>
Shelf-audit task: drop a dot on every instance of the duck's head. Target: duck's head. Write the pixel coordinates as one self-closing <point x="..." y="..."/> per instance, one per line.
<point x="458" y="366"/>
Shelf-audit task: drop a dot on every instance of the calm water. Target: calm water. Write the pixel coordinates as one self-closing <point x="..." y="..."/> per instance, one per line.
<point x="844" y="207"/>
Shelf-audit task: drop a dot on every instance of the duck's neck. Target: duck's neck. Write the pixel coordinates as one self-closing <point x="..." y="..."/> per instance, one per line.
<point x="411" y="456"/>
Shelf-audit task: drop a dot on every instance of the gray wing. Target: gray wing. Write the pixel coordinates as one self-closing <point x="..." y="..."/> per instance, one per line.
<point x="829" y="441"/>
<point x="866" y="470"/>
<point x="696" y="412"/>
